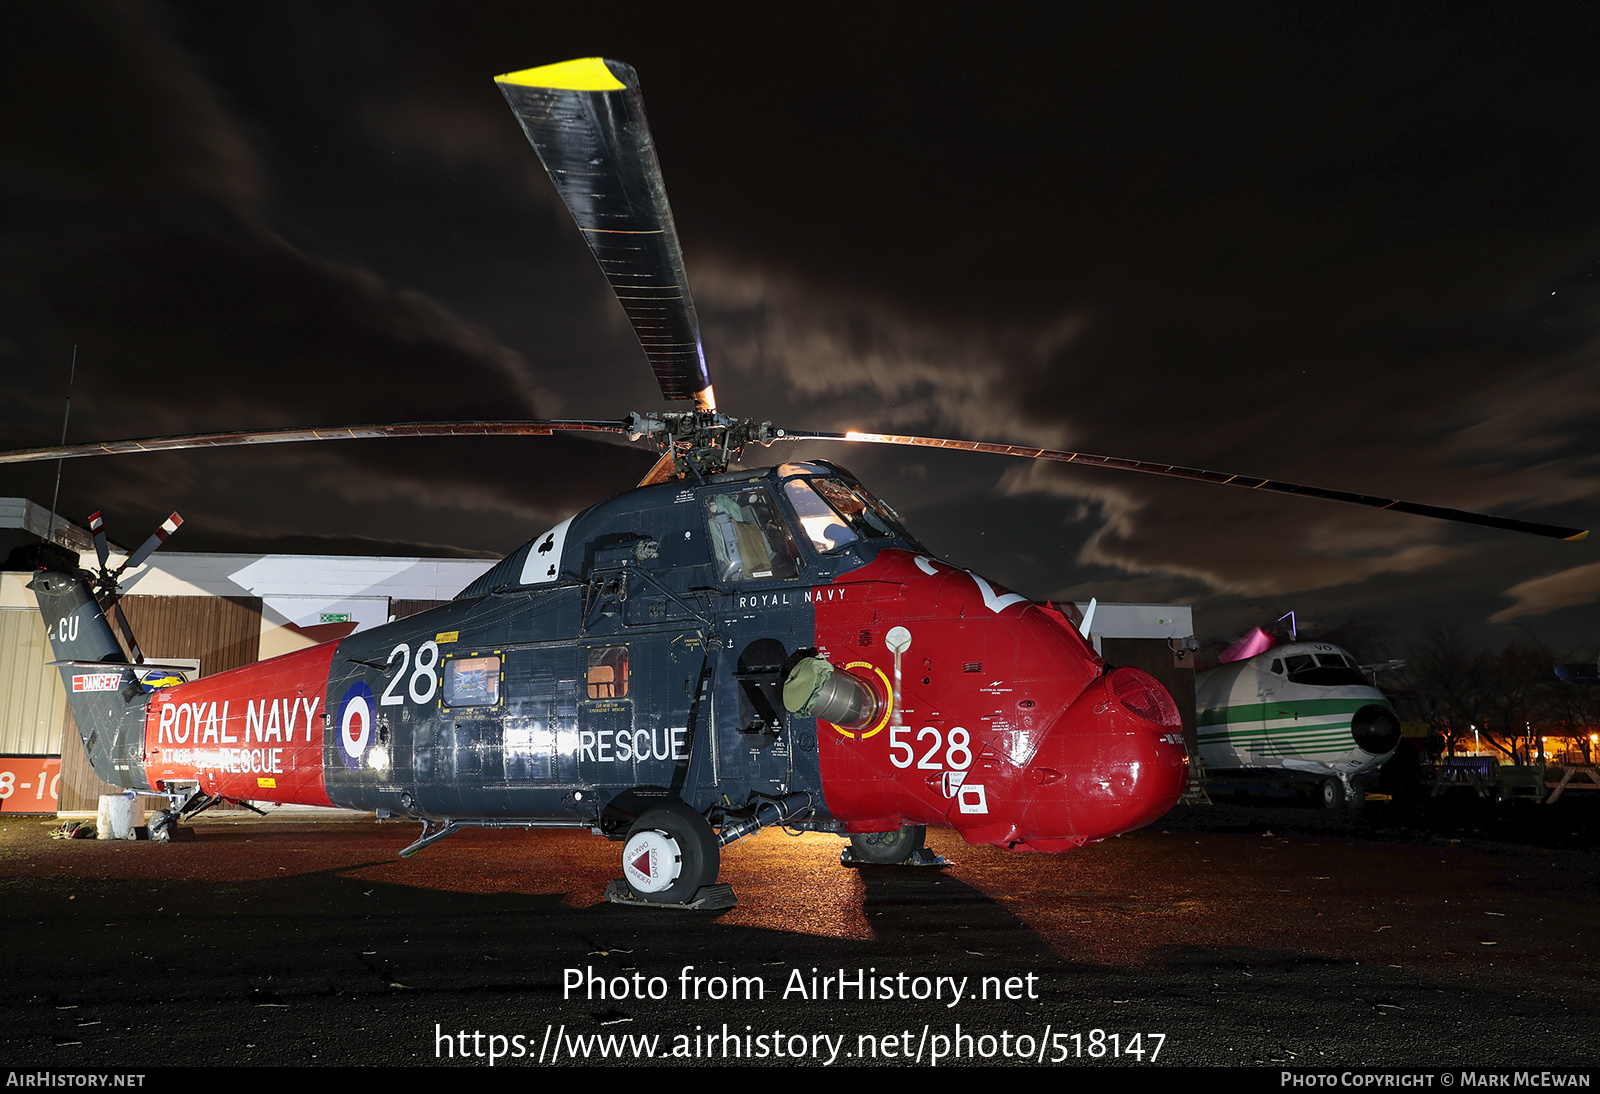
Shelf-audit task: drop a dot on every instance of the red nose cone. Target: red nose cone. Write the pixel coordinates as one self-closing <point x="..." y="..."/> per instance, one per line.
<point x="1114" y="761"/>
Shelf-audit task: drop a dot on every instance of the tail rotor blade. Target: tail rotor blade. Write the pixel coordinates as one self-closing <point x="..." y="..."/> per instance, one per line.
<point x="98" y="527"/>
<point x="149" y="546"/>
<point x="127" y="633"/>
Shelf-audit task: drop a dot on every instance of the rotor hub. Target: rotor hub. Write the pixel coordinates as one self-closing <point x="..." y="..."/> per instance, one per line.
<point x="701" y="443"/>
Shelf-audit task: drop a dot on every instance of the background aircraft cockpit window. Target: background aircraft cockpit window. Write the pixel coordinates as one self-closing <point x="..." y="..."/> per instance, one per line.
<point x="1277" y="665"/>
<point x="472" y="682"/>
<point x="608" y="672"/>
<point x="826" y="528"/>
<point x="750" y="537"/>
<point x="1326" y="670"/>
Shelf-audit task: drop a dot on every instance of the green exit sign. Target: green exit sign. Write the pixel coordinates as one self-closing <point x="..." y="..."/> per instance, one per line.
<point x="336" y="617"/>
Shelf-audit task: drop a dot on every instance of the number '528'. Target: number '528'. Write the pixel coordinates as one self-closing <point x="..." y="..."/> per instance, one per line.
<point x="957" y="752"/>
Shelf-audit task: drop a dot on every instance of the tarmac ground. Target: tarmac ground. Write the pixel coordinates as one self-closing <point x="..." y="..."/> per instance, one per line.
<point x="1462" y="936"/>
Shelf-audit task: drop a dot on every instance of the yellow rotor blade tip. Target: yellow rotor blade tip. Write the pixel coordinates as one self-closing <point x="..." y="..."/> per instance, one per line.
<point x="584" y="74"/>
<point x="1581" y="535"/>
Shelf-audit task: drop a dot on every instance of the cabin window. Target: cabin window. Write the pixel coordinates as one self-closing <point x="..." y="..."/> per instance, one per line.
<point x="1277" y="666"/>
<point x="608" y="672"/>
<point x="472" y="682"/>
<point x="750" y="537"/>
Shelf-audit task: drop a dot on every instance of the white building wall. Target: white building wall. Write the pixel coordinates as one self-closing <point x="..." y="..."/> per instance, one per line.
<point x="297" y="593"/>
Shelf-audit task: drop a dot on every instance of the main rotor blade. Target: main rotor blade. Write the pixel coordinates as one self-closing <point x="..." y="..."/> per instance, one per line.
<point x="532" y="428"/>
<point x="1173" y="471"/>
<point x="586" y="121"/>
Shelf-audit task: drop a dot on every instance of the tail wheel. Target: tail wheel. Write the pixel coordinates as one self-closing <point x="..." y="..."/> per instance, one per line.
<point x="162" y="822"/>
<point x="671" y="854"/>
<point x="1332" y="794"/>
<point x="889" y="848"/>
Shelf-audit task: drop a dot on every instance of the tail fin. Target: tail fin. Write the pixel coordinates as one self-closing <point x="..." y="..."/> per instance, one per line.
<point x="107" y="702"/>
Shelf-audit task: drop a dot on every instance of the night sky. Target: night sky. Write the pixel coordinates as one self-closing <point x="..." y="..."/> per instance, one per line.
<point x="1350" y="248"/>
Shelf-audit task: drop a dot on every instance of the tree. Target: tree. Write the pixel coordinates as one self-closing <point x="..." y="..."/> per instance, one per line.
<point x="1449" y="678"/>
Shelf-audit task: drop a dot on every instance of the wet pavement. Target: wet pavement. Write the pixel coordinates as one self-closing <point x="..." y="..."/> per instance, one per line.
<point x="1227" y="935"/>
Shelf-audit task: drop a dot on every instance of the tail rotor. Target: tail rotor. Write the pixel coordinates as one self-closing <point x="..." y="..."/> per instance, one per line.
<point x="107" y="588"/>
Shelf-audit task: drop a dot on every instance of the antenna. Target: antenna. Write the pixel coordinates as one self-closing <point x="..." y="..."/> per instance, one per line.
<point x="50" y="533"/>
<point x="1294" y="634"/>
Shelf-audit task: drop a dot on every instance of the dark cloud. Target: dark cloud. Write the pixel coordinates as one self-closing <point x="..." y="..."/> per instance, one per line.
<point x="1359" y="253"/>
<point x="1579" y="585"/>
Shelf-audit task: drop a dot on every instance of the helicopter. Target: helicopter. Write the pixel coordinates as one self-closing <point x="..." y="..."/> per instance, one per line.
<point x="715" y="652"/>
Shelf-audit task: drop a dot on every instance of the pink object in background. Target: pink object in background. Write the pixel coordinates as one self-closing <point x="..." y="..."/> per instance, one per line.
<point x="1254" y="641"/>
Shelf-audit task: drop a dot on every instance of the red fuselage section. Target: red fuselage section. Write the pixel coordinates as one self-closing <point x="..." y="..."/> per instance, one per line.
<point x="1003" y="723"/>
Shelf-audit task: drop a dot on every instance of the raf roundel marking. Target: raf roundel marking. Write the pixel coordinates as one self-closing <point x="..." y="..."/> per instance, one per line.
<point x="355" y="724"/>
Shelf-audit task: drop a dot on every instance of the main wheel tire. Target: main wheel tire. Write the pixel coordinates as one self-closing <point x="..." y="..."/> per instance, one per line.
<point x="889" y="848"/>
<point x="671" y="853"/>
<point x="1332" y="794"/>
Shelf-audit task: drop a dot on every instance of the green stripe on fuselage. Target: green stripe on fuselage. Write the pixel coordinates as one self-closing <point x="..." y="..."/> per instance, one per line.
<point x="1281" y="744"/>
<point x="1284" y="708"/>
<point x="1312" y="729"/>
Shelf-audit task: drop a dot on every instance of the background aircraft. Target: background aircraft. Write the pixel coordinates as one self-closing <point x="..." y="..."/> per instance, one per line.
<point x="1297" y="713"/>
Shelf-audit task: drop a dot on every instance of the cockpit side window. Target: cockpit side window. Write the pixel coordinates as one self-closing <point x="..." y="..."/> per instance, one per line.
<point x="862" y="518"/>
<point x="855" y="509"/>
<point x="750" y="537"/>
<point x="826" y="528"/>
<point x="884" y="510"/>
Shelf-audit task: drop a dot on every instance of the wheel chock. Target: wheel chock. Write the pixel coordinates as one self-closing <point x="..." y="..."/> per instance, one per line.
<point x="708" y="898"/>
<point x="922" y="856"/>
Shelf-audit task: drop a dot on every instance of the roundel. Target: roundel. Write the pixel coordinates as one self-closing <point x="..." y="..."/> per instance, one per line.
<point x="355" y="724"/>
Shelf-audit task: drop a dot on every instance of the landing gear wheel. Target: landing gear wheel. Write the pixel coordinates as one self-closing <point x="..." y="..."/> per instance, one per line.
<point x="162" y="823"/>
<point x="1332" y="794"/>
<point x="1358" y="796"/>
<point x="671" y="854"/>
<point x="889" y="848"/>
